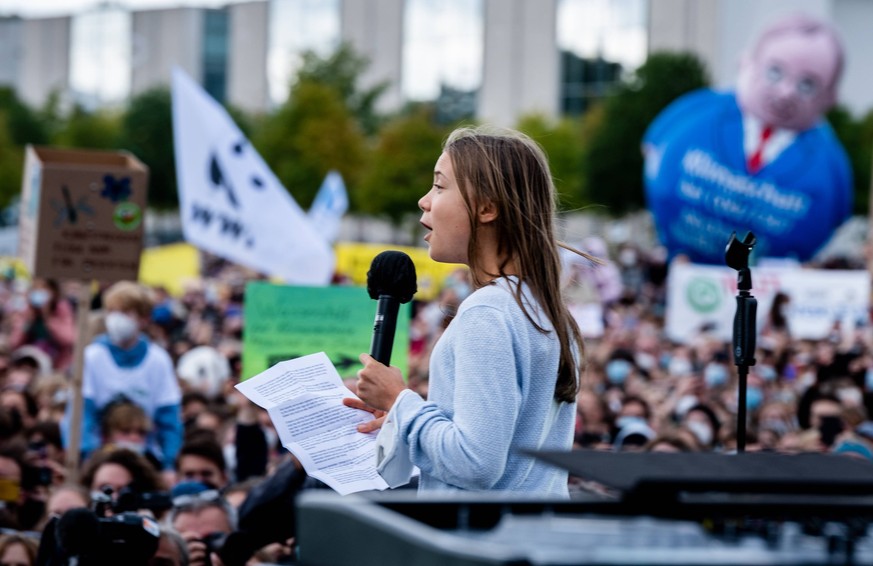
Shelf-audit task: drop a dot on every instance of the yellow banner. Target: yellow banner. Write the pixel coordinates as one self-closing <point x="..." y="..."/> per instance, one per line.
<point x="169" y="266"/>
<point x="353" y="261"/>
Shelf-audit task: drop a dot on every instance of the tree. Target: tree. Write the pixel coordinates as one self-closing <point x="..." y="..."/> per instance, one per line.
<point x="856" y="137"/>
<point x="22" y="123"/>
<point x="11" y="163"/>
<point x="613" y="158"/>
<point x="563" y="143"/>
<point x="401" y="168"/>
<point x="341" y="71"/>
<point x="147" y="132"/>
<point x="90" y="130"/>
<point x="311" y="134"/>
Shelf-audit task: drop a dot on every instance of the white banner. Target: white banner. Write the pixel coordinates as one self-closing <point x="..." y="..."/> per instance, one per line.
<point x="231" y="203"/>
<point x="329" y="205"/>
<point x="699" y="295"/>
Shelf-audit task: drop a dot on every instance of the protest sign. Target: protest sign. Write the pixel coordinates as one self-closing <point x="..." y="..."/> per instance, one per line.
<point x="701" y="296"/>
<point x="285" y="322"/>
<point x="82" y="214"/>
<point x="353" y="261"/>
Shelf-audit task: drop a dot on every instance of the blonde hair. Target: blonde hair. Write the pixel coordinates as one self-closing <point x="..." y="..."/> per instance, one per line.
<point x="128" y="295"/>
<point x="510" y="170"/>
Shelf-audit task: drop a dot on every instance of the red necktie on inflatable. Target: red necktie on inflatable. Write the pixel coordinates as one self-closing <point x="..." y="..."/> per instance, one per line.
<point x="756" y="159"/>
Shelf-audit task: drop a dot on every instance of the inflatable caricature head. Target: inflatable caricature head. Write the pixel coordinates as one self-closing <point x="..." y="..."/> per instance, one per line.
<point x="789" y="77"/>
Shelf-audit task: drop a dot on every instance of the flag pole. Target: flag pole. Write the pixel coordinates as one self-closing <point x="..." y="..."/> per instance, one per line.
<point x="83" y="311"/>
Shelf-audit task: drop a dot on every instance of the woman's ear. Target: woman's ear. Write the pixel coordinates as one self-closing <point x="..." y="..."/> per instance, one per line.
<point x="487" y="212"/>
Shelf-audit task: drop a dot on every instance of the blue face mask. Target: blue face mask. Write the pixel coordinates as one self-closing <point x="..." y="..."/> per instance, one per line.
<point x="767" y="373"/>
<point x="665" y="360"/>
<point x="715" y="375"/>
<point x="754" y="398"/>
<point x="868" y="379"/>
<point x="617" y="371"/>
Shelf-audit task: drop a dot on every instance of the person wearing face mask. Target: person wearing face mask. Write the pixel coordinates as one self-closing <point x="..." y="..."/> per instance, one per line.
<point x="124" y="364"/>
<point x="47" y="322"/>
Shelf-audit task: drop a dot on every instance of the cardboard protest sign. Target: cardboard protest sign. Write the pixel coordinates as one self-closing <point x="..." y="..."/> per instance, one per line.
<point x="285" y="322"/>
<point x="82" y="214"/>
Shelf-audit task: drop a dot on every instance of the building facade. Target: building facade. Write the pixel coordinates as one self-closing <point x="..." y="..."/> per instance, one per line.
<point x="494" y="59"/>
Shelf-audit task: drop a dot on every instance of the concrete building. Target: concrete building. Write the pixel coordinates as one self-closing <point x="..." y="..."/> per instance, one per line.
<point x="247" y="86"/>
<point x="521" y="68"/>
<point x="526" y="64"/>
<point x="375" y="30"/>
<point x="39" y="64"/>
<point x="163" y="39"/>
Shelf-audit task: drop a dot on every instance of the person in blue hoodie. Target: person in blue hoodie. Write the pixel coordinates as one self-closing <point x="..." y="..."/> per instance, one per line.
<point x="123" y="364"/>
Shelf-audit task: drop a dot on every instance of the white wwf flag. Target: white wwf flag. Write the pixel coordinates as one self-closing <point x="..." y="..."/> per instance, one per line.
<point x="231" y="203"/>
<point x="329" y="205"/>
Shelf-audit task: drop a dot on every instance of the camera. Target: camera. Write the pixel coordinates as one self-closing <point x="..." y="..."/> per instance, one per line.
<point x="130" y="500"/>
<point x="83" y="538"/>
<point x="213" y="542"/>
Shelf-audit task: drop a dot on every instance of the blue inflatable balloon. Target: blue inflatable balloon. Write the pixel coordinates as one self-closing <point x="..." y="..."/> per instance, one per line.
<point x="699" y="187"/>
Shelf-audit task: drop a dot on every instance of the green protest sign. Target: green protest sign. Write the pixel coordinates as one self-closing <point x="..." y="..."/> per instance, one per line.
<point x="284" y="322"/>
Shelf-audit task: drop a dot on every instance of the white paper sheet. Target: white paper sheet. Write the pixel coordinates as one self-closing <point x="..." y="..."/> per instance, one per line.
<point x="304" y="400"/>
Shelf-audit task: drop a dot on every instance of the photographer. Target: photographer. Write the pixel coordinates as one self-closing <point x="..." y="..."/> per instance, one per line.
<point x="203" y="518"/>
<point x="119" y="526"/>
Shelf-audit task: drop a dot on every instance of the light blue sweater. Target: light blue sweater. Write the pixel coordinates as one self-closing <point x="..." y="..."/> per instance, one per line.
<point x="491" y="395"/>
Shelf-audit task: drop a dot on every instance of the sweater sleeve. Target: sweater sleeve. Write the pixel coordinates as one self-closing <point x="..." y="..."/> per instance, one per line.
<point x="470" y="447"/>
<point x="168" y="426"/>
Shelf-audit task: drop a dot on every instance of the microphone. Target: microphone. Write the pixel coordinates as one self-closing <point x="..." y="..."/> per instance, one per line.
<point x="391" y="281"/>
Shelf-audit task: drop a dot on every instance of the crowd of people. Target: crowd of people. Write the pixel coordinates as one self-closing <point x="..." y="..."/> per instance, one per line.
<point x="165" y="433"/>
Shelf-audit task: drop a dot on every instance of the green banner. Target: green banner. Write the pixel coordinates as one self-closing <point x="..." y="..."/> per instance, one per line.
<point x="284" y="322"/>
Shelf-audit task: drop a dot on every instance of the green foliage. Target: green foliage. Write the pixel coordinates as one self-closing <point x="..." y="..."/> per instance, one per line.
<point x="613" y="158"/>
<point x="401" y="168"/>
<point x="23" y="124"/>
<point x="563" y="143"/>
<point x="311" y="134"/>
<point x="11" y="163"/>
<point x="147" y="132"/>
<point x="88" y="130"/>
<point x="341" y="71"/>
<point x="856" y="137"/>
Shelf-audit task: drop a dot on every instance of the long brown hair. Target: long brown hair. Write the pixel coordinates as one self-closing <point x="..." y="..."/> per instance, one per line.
<point x="510" y="170"/>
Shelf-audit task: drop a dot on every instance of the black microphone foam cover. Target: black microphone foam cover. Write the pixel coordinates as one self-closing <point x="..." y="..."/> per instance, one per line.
<point x="392" y="273"/>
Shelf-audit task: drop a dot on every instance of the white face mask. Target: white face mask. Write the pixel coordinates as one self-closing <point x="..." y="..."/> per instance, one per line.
<point x="701" y="431"/>
<point x="120" y="327"/>
<point x="138" y="447"/>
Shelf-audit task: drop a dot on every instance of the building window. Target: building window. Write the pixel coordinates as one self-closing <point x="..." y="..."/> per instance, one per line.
<point x="215" y="41"/>
<point x="599" y="42"/>
<point x="297" y="26"/>
<point x="442" y="54"/>
<point x="100" y="57"/>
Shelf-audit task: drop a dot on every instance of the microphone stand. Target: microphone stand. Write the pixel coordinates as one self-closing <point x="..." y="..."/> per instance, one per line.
<point x="737" y="257"/>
